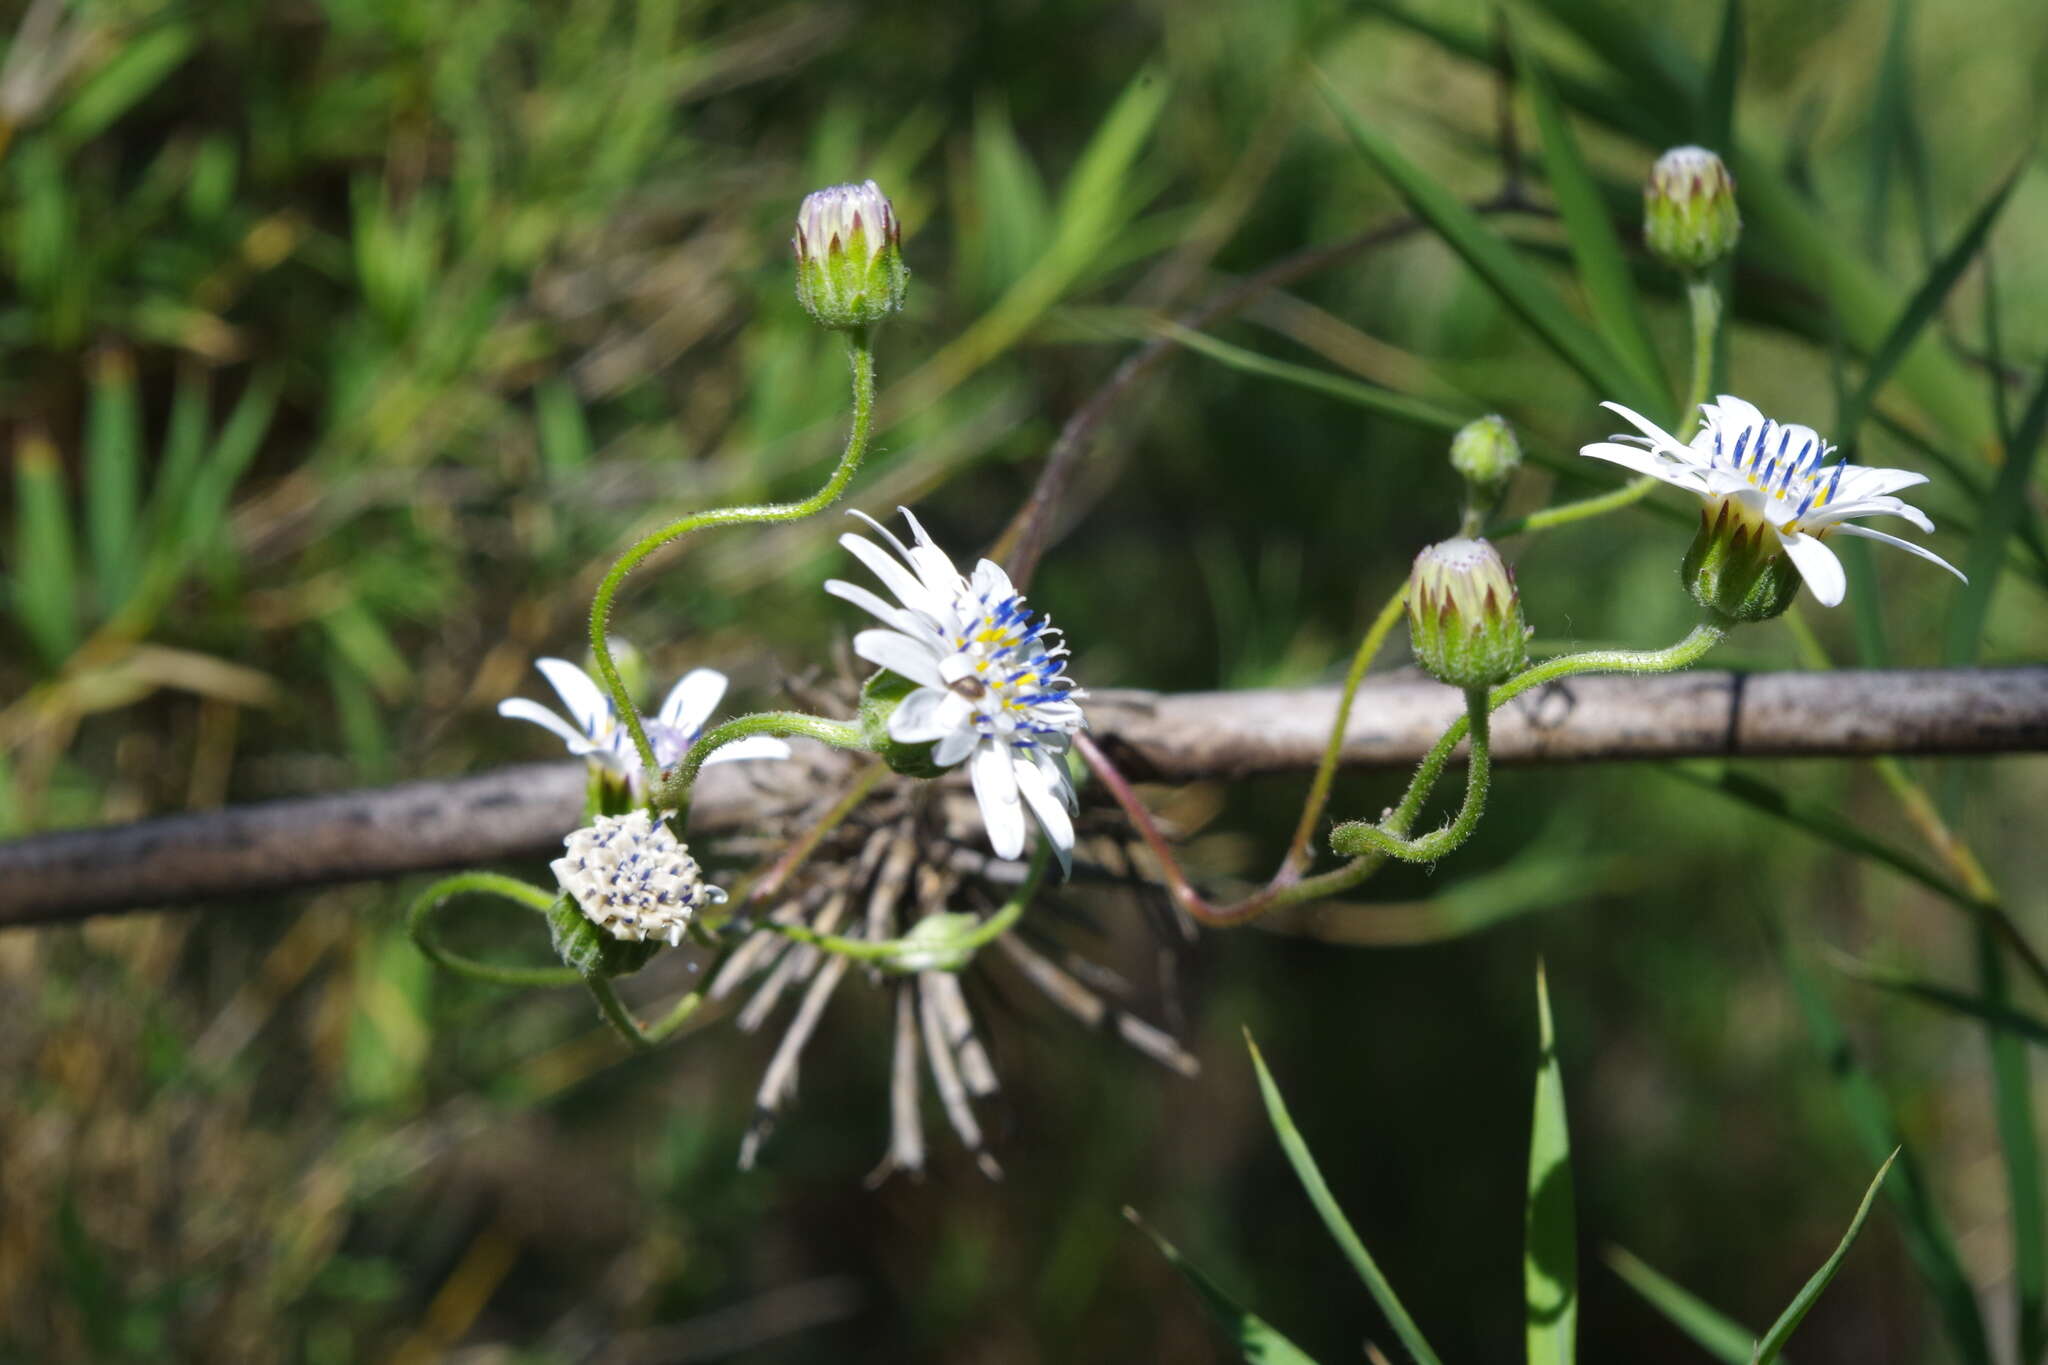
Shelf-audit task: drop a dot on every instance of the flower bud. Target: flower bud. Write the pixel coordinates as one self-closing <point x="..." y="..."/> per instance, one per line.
<point x="1486" y="454"/>
<point x="1689" y="215"/>
<point x="635" y="886"/>
<point x="1736" y="568"/>
<point x="849" y="258"/>
<point x="1464" y="616"/>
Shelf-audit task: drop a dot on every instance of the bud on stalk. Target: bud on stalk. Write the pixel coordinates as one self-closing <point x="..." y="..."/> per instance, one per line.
<point x="1690" y="221"/>
<point x="849" y="257"/>
<point x="1464" y="615"/>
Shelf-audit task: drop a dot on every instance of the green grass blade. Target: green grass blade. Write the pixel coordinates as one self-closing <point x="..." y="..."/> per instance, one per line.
<point x="559" y="421"/>
<point x="1922" y="307"/>
<point x="1925" y="1231"/>
<point x="2005" y="510"/>
<point x="1995" y="1012"/>
<point x="1399" y="406"/>
<point x="1312" y="1181"/>
<point x="1519" y="286"/>
<point x="1596" y="247"/>
<point x="1550" y="1257"/>
<point x="1789" y="1320"/>
<point x="203" y="516"/>
<point x="1889" y="112"/>
<point x="113" y="480"/>
<point x="1717" y="114"/>
<point x="45" y="570"/>
<point x="139" y="64"/>
<point x="1254" y="1339"/>
<point x="184" y="448"/>
<point x="2020" y="1146"/>
<point x="1719" y="1336"/>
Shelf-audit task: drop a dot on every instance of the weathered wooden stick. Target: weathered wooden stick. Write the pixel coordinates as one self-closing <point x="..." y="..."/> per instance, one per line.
<point x="524" y="811"/>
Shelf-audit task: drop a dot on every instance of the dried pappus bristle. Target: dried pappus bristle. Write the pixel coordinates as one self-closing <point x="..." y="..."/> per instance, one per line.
<point x="633" y="878"/>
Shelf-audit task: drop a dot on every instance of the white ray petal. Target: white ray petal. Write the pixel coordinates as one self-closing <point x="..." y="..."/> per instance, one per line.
<point x="899" y="654"/>
<point x="519" y="708"/>
<point x="995" y="788"/>
<point x="1865" y="507"/>
<point x="692" y="700"/>
<point x="912" y="623"/>
<point x="1050" y="812"/>
<point x="1660" y="438"/>
<point x="908" y="589"/>
<point x="1642" y="462"/>
<point x="1818" y="566"/>
<point x="1908" y="546"/>
<point x="928" y="714"/>
<point x="954" y="747"/>
<point x="589" y="705"/>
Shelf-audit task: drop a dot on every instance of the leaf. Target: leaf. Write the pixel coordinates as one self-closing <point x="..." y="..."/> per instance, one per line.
<point x="1890" y="113"/>
<point x="45" y="578"/>
<point x="1517" y="284"/>
<point x="1401" y="407"/>
<point x="113" y="479"/>
<point x="1596" y="247"/>
<point x="1550" y="1258"/>
<point x="1720" y="1336"/>
<point x="1717" y="115"/>
<point x="1920" y="1222"/>
<point x="559" y="423"/>
<point x="1788" y="1321"/>
<point x="1339" y="1227"/>
<point x="1256" y="1341"/>
<point x="140" y="63"/>
<point x="1997" y="1013"/>
<point x="2020" y="1146"/>
<point x="2006" y="509"/>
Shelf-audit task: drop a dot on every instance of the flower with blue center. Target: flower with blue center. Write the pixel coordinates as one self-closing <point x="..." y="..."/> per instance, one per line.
<point x="991" y="689"/>
<point x="1767" y="488"/>
<point x="594" y="730"/>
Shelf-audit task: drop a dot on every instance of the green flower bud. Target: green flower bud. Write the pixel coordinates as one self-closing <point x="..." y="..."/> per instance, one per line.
<point x="936" y="943"/>
<point x="849" y="257"/>
<point x="1464" y="616"/>
<point x="1736" y="568"/>
<point x="1689" y="216"/>
<point x="1486" y="454"/>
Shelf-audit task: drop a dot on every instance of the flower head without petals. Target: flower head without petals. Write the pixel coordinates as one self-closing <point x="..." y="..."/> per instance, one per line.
<point x="990" y="686"/>
<point x="1770" y="497"/>
<point x="633" y="878"/>
<point x="595" y="732"/>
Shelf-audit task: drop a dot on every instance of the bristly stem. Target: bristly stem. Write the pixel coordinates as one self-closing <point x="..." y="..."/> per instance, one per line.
<point x="673" y="793"/>
<point x="1704" y="300"/>
<point x="968" y="943"/>
<point x="860" y="350"/>
<point x="1390" y="838"/>
<point x="644" y="1038"/>
<point x="1333" y="750"/>
<point x="419" y="922"/>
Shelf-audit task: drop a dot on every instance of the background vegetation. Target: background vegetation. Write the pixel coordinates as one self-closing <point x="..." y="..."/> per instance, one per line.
<point x="340" y="345"/>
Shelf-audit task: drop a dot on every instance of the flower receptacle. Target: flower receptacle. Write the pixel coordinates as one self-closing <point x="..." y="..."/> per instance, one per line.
<point x="1735" y="567"/>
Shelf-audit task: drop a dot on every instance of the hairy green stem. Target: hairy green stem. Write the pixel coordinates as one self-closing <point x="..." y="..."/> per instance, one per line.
<point x="1333" y="748"/>
<point x="1566" y="512"/>
<point x="1390" y="838"/>
<point x="644" y="1038"/>
<point x="419" y="922"/>
<point x="969" y="942"/>
<point x="1704" y="301"/>
<point x="674" y="791"/>
<point x="861" y="353"/>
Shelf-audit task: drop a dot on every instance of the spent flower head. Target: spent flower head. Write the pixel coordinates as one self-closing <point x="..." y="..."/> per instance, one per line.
<point x="1464" y="615"/>
<point x="849" y="256"/>
<point x="633" y="878"/>
<point x="1690" y="220"/>
<point x="1769" y="499"/>
<point x="989" y="686"/>
<point x="594" y="730"/>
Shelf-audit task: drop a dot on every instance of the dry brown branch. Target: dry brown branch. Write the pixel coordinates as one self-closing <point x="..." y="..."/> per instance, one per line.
<point x="523" y="811"/>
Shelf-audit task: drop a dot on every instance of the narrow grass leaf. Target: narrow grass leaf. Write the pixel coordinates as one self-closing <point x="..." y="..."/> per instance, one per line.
<point x="1717" y="113"/>
<point x="45" y="569"/>
<point x="1994" y="1011"/>
<point x="1250" y="1334"/>
<point x="139" y="64"/>
<point x="1596" y="247"/>
<point x="1789" y="1320"/>
<point x="1719" y="1336"/>
<point x="559" y="423"/>
<point x="2007" y="509"/>
<point x="1870" y="1115"/>
<point x="1419" y="412"/>
<point x="1889" y="112"/>
<point x="1519" y="286"/>
<point x="2020" y="1146"/>
<point x="1311" y="1177"/>
<point x="1922" y="307"/>
<point x="1550" y="1256"/>
<point x="113" y="479"/>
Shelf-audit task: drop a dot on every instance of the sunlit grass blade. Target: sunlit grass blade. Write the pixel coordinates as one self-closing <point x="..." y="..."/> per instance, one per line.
<point x="1719" y="1336"/>
<point x="1870" y="1116"/>
<point x="1318" y="1189"/>
<point x="1401" y="407"/>
<point x="45" y="568"/>
<point x="113" y="479"/>
<point x="1550" y="1256"/>
<point x="1518" y="284"/>
<point x="1724" y="75"/>
<point x="1596" y="247"/>
<point x="1788" y="1321"/>
<point x="2006" y="509"/>
<point x="1921" y="309"/>
<point x="1250" y="1334"/>
<point x="138" y="64"/>
<point x="558" y="419"/>
<point x="1011" y="210"/>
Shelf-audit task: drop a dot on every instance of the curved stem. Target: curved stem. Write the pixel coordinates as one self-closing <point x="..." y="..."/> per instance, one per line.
<point x="1333" y="749"/>
<point x="642" y="1039"/>
<point x="674" y="792"/>
<point x="968" y="943"/>
<point x="1362" y="837"/>
<point x="419" y="923"/>
<point x="862" y="357"/>
<point x="1564" y="513"/>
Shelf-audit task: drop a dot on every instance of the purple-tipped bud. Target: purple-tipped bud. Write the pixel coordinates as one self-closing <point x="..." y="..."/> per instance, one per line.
<point x="1464" y="615"/>
<point x="849" y="258"/>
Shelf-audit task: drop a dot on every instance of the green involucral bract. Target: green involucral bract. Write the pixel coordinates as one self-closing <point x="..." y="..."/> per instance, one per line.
<point x="1690" y="220"/>
<point x="879" y="697"/>
<point x="849" y="258"/>
<point x="581" y="944"/>
<point x="1464" y="616"/>
<point x="1735" y="567"/>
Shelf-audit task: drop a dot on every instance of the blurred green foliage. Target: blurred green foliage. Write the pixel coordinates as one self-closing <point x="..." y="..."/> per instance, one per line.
<point x="342" y="343"/>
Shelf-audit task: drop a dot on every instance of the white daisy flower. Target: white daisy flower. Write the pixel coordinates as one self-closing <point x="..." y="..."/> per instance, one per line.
<point x="991" y="692"/>
<point x="1773" y="474"/>
<point x="633" y="878"/>
<point x="594" y="731"/>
